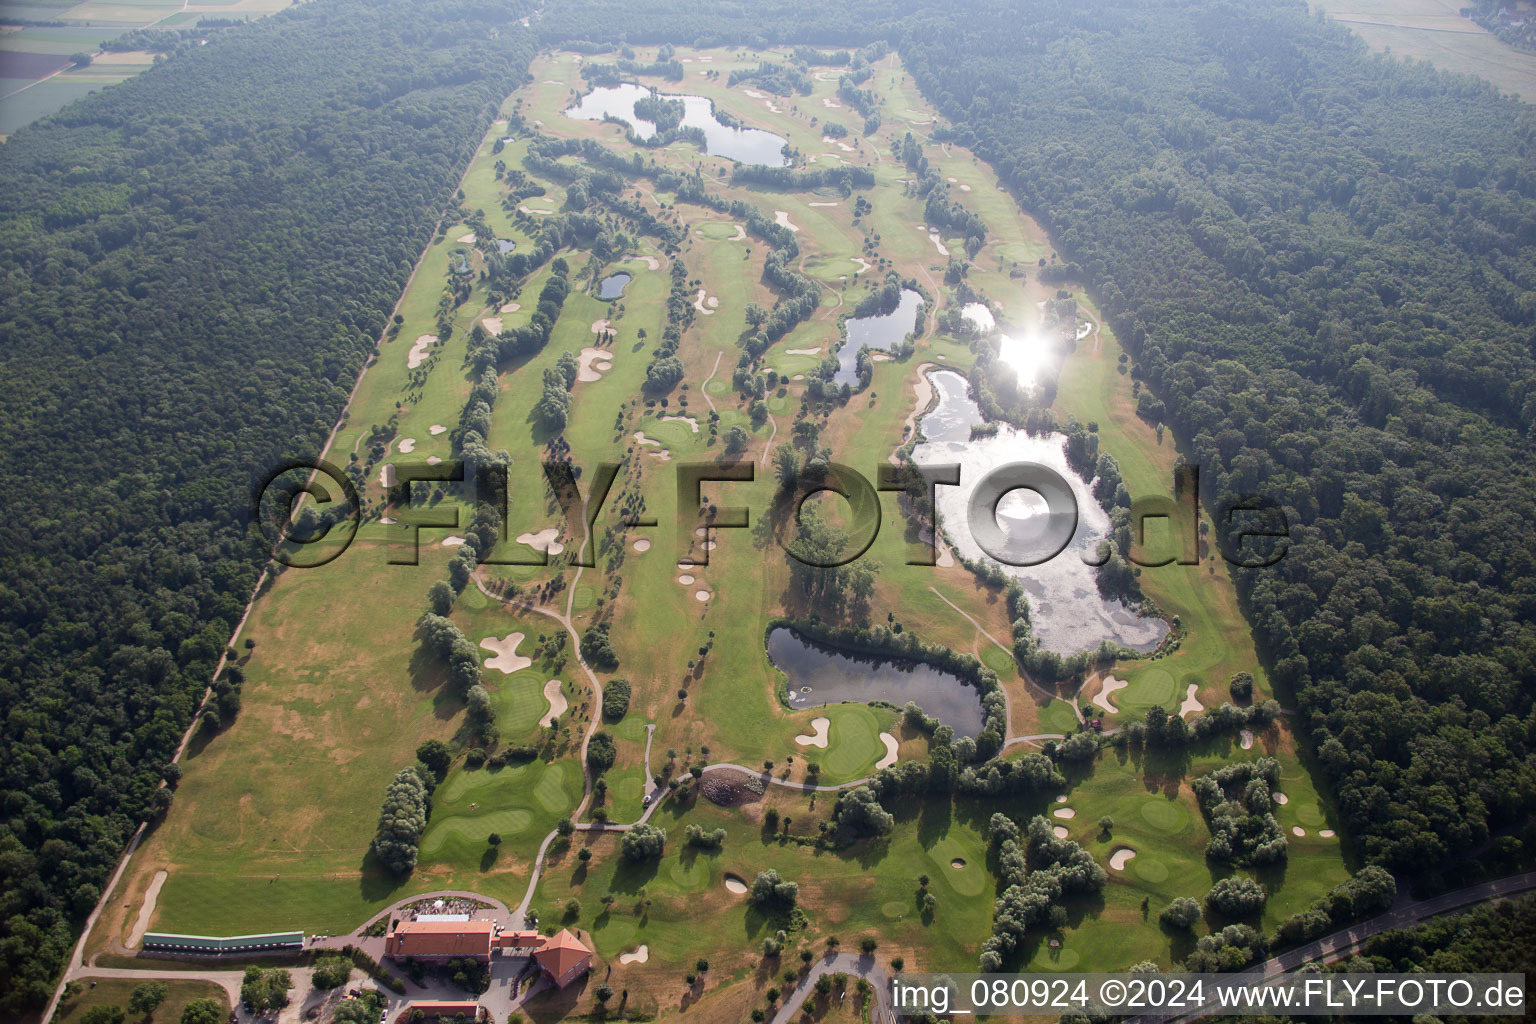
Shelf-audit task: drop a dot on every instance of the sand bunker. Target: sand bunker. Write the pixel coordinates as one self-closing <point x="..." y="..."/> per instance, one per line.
<point x="387" y="520"/>
<point x="418" y="353"/>
<point x="1190" y="703"/>
<point x="781" y="218"/>
<point x="701" y="595"/>
<point x="662" y="453"/>
<point x="830" y="103"/>
<point x="639" y="956"/>
<point x="506" y="658"/>
<point x="651" y="262"/>
<point x="965" y="188"/>
<point x="698" y="304"/>
<point x="713" y="301"/>
<point x="1280" y="798"/>
<point x="492" y="324"/>
<point x="755" y="94"/>
<point x="557" y="703"/>
<point x="433" y="460"/>
<point x="773" y="107"/>
<point x="1245" y="739"/>
<point x="880" y="357"/>
<point x="890" y="751"/>
<point x="509" y="307"/>
<point x="1327" y="833"/>
<point x="1061" y="798"/>
<point x="1111" y="684"/>
<point x="686" y="580"/>
<point x="824" y="204"/>
<point x="147" y="909"/>
<point x="741" y="233"/>
<point x="933" y="236"/>
<point x="437" y="428"/>
<point x="544" y="540"/>
<point x="529" y="209"/>
<point x="1064" y="812"/>
<point x="387" y="475"/>
<point x="407" y="445"/>
<point x="587" y="369"/>
<point x="1298" y="831"/>
<point x="863" y="265"/>
<point x="952" y="180"/>
<point x="641" y="545"/>
<point x="1060" y="831"/>
<point x="798" y="376"/>
<point x="957" y="863"/>
<point x="803" y="351"/>
<point x="1121" y="857"/>
<point x="735" y="885"/>
<point x="693" y="424"/>
<point x="453" y="540"/>
<point x="467" y="239"/>
<point x="818" y="736"/>
<point x="599" y="326"/>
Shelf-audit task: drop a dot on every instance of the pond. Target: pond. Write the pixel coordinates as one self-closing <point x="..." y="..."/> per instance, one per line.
<point x="1066" y="609"/>
<point x="883" y="331"/>
<point x="819" y="674"/>
<point x="612" y="286"/>
<point x="747" y="145"/>
<point x="505" y="245"/>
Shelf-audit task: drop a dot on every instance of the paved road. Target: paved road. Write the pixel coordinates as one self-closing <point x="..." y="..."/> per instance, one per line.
<point x="854" y="965"/>
<point x="1349" y="940"/>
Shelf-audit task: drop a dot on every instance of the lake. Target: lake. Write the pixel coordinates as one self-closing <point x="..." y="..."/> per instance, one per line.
<point x="747" y="145"/>
<point x="612" y="286"/>
<point x="1066" y="609"/>
<point x="819" y="674"/>
<point x="882" y="332"/>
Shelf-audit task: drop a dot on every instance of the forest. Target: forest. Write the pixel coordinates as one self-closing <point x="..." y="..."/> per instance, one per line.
<point x="1324" y="264"/>
<point x="196" y="265"/>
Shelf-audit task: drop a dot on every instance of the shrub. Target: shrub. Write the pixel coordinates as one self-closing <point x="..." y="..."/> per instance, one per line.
<point x="615" y="699"/>
<point x="643" y="842"/>
<point x="1181" y="913"/>
<point x="1236" y="897"/>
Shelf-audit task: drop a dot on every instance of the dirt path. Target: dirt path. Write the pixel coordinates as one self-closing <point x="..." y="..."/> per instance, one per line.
<point x="147" y="909"/>
<point x="768" y="447"/>
<point x="704" y="388"/>
<point x="1022" y="675"/>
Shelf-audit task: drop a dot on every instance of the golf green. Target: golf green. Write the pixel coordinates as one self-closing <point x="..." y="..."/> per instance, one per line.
<point x="1164" y="815"/>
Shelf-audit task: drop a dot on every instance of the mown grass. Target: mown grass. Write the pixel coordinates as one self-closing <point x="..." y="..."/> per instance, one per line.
<point x="117" y="992"/>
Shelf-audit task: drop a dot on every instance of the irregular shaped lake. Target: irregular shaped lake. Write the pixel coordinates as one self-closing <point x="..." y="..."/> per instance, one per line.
<point x="883" y="331"/>
<point x="819" y="674"/>
<point x="747" y="145"/>
<point x="1066" y="609"/>
<point x="612" y="286"/>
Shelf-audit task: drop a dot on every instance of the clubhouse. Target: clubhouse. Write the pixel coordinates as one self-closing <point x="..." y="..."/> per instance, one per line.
<point x="563" y="957"/>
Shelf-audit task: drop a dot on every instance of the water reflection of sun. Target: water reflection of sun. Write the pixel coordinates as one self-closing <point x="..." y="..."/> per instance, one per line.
<point x="1026" y="355"/>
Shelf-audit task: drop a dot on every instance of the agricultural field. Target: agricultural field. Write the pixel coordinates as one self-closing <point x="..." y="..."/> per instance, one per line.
<point x="37" y="74"/>
<point x="273" y="817"/>
<point x="1435" y="31"/>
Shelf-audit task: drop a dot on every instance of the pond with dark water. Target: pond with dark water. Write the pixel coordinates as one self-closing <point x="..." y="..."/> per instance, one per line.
<point x="747" y="145"/>
<point x="882" y="332"/>
<point x="819" y="674"/>
<point x="612" y="286"/>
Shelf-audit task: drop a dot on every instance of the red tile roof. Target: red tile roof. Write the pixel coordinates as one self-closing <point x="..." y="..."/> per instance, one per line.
<point x="440" y="938"/>
<point x="445" y="1007"/>
<point x="562" y="954"/>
